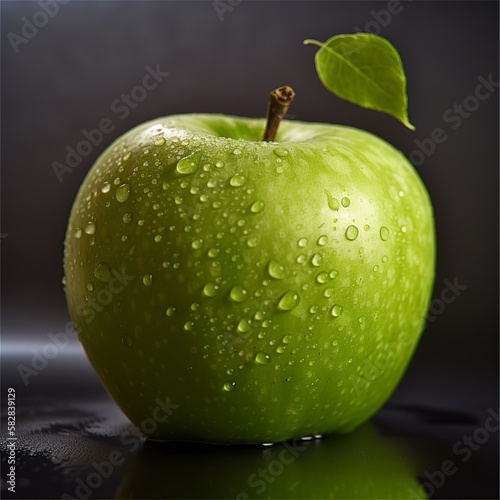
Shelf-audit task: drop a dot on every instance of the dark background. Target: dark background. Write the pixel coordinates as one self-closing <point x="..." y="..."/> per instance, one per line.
<point x="64" y="79"/>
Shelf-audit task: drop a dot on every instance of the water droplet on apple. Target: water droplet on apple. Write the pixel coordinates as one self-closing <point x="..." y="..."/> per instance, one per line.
<point x="322" y="278"/>
<point x="188" y="326"/>
<point x="127" y="218"/>
<point x="367" y="227"/>
<point x="333" y="274"/>
<point x="90" y="228"/>
<point x="301" y="258"/>
<point x="189" y="164"/>
<point x="336" y="310"/>
<point x="286" y="339"/>
<point x="280" y="349"/>
<point x="375" y="268"/>
<point x="404" y="229"/>
<point x="335" y="343"/>
<point x="333" y="203"/>
<point x="122" y="193"/>
<point x="276" y="270"/>
<point x="219" y="164"/>
<point x="106" y="187"/>
<point x="158" y="238"/>
<point x="210" y="290"/>
<point x="170" y="311"/>
<point x="302" y="242"/>
<point x="126" y="157"/>
<point x="243" y="326"/>
<point x="238" y="294"/>
<point x="252" y="242"/>
<point x="384" y="233"/>
<point x="385" y="258"/>
<point x="237" y="180"/>
<point x="328" y="293"/>
<point x="280" y="152"/>
<point x="323" y="240"/>
<point x="197" y="244"/>
<point x="127" y="341"/>
<point x="90" y="287"/>
<point x="213" y="252"/>
<point x="262" y="358"/>
<point x="229" y="386"/>
<point x="352" y="233"/>
<point x="102" y="272"/>
<point x="147" y="280"/>
<point x="258" y="316"/>
<point x="289" y="301"/>
<point x="78" y="233"/>
<point x="257" y="207"/>
<point x="237" y="151"/>
<point x="316" y="260"/>
<point x="345" y="202"/>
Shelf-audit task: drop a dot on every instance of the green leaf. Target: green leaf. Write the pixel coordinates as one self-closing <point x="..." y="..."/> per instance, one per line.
<point x="365" y="69"/>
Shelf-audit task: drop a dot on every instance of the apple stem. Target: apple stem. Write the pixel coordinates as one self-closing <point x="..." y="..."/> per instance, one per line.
<point x="279" y="102"/>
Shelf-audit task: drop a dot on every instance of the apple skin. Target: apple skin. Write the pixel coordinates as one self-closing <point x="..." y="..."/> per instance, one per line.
<point x="270" y="290"/>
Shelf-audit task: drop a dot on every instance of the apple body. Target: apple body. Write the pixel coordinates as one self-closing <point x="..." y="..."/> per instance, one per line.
<point x="230" y="290"/>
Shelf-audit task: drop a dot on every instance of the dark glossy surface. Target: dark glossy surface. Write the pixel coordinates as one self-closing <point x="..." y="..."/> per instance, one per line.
<point x="72" y="441"/>
<point x="64" y="81"/>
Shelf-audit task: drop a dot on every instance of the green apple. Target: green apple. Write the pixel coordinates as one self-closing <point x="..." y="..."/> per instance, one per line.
<point x="229" y="289"/>
<point x="270" y="289"/>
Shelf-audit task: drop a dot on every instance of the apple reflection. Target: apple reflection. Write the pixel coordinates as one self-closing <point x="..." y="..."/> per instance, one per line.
<point x="362" y="464"/>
